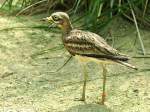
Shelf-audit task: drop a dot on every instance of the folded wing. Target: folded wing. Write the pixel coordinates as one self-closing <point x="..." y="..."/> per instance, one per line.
<point x="91" y="45"/>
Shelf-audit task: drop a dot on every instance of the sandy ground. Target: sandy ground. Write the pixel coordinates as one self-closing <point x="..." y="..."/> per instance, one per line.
<point x="27" y="84"/>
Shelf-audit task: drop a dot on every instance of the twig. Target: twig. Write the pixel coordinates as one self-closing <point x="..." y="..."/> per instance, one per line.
<point x="4" y="3"/>
<point x="145" y="8"/>
<point x="141" y="57"/>
<point x="30" y="7"/>
<point x="112" y="37"/>
<point x="62" y="65"/>
<point x="46" y="51"/>
<point x="128" y="17"/>
<point x="138" y="18"/>
<point x="138" y="32"/>
<point x="12" y="28"/>
<point x="7" y="75"/>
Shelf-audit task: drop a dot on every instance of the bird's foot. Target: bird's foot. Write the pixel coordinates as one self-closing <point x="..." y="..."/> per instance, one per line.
<point x="79" y="99"/>
<point x="100" y="103"/>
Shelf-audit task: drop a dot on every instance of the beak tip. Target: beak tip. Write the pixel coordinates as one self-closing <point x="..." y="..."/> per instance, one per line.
<point x="44" y="19"/>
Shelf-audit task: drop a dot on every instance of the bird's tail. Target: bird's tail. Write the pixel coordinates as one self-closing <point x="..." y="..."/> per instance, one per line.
<point x="126" y="64"/>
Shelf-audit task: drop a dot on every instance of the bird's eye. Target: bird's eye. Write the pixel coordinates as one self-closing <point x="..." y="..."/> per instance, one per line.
<point x="55" y="18"/>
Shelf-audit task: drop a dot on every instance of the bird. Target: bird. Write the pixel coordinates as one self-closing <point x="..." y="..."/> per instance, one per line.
<point x="87" y="46"/>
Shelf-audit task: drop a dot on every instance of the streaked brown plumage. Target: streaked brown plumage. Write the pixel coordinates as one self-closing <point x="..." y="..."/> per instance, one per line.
<point x="86" y="44"/>
<point x="89" y="44"/>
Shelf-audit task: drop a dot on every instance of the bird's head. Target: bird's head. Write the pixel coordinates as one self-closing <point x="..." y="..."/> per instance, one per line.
<point x="60" y="20"/>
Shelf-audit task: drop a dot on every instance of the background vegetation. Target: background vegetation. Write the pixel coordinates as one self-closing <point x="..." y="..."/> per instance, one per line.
<point x="30" y="52"/>
<point x="98" y="12"/>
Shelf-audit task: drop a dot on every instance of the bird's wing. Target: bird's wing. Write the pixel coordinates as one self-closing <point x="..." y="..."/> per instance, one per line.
<point x="88" y="44"/>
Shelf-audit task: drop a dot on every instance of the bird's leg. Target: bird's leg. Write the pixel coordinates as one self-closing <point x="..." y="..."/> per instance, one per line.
<point x="84" y="83"/>
<point x="104" y="84"/>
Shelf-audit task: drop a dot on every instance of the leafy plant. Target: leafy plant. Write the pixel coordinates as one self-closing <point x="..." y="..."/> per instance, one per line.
<point x="98" y="12"/>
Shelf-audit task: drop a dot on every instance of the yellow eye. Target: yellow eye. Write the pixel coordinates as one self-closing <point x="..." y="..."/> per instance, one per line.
<point x="55" y="18"/>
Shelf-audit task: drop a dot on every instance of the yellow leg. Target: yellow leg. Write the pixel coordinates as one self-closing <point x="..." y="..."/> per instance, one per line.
<point x="104" y="83"/>
<point x="85" y="76"/>
<point x="84" y="84"/>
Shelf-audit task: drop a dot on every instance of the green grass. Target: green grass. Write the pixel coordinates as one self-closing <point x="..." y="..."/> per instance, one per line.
<point x="94" y="14"/>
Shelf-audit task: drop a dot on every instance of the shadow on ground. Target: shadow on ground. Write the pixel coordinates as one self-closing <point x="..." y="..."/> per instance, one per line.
<point x="89" y="108"/>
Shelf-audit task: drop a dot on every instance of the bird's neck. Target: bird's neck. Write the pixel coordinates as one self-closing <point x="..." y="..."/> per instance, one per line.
<point x="67" y="27"/>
